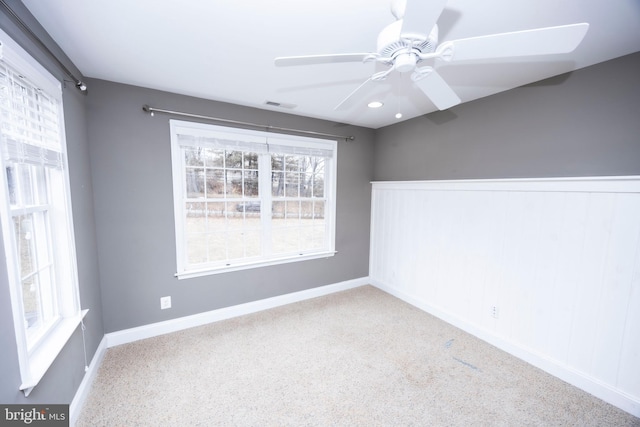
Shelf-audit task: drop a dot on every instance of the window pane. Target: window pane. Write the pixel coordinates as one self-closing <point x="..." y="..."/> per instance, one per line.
<point x="23" y="226"/>
<point x="250" y="161"/>
<point x="196" y="248"/>
<point x="217" y="247"/>
<point x="305" y="163"/>
<point x="317" y="176"/>
<point x="306" y="185"/>
<point x="233" y="159"/>
<point x="195" y="183"/>
<point x="193" y="156"/>
<point x="252" y="243"/>
<point x="285" y="240"/>
<point x="215" y="211"/>
<point x="277" y="184"/>
<point x="277" y="162"/>
<point x="306" y="210"/>
<point x="278" y="210"/>
<point x="292" y="184"/>
<point x="40" y="238"/>
<point x="31" y="302"/>
<point x="293" y="210"/>
<point x="248" y="209"/>
<point x="26" y="185"/>
<point x="215" y="183"/>
<point x="41" y="185"/>
<point x="12" y="185"/>
<point x="292" y="163"/>
<point x="195" y="221"/>
<point x="251" y="184"/>
<point x="216" y="214"/>
<point x="214" y="158"/>
<point x="235" y="244"/>
<point x="252" y="220"/>
<point x="47" y="295"/>
<point x="314" y="238"/>
<point x="235" y="218"/>
<point x="318" y="209"/>
<point x="318" y="184"/>
<point x="233" y="183"/>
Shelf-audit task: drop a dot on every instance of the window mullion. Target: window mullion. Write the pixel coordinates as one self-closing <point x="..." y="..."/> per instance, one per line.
<point x="264" y="190"/>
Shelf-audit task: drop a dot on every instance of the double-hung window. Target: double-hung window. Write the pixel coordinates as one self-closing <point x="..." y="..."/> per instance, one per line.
<point x="246" y="198"/>
<point x="36" y="212"/>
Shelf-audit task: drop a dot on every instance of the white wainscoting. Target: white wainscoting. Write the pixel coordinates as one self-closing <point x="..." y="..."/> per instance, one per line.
<point x="558" y="258"/>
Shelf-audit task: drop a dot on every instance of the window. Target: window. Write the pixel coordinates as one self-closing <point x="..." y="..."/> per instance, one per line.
<point x="247" y="198"/>
<point x="36" y="213"/>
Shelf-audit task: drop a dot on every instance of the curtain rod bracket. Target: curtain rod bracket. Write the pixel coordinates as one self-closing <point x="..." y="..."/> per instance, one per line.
<point x="150" y="110"/>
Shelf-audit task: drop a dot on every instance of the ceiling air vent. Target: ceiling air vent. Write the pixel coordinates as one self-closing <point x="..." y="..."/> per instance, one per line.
<point x="280" y="104"/>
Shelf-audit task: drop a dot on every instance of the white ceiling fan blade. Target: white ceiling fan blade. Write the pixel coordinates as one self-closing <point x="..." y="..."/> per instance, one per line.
<point x="354" y="96"/>
<point x="437" y="90"/>
<point x="286" y="61"/>
<point x="420" y="16"/>
<point x="541" y="41"/>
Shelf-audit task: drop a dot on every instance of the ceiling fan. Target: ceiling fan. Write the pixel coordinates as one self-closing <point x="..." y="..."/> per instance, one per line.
<point x="410" y="44"/>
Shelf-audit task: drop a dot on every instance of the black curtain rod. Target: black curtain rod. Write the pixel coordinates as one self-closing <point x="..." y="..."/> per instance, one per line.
<point x="267" y="128"/>
<point x="79" y="84"/>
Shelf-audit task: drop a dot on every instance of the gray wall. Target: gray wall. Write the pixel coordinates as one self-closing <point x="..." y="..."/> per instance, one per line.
<point x="586" y="123"/>
<point x="62" y="380"/>
<point x="131" y="167"/>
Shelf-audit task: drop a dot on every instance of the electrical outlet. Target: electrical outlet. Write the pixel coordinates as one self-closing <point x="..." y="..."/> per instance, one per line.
<point x="165" y="302"/>
<point x="495" y="312"/>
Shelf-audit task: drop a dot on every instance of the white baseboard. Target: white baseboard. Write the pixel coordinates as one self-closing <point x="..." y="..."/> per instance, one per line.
<point x="83" y="390"/>
<point x="599" y="389"/>
<point x="173" y="325"/>
<point x="161" y="328"/>
<point x="578" y="379"/>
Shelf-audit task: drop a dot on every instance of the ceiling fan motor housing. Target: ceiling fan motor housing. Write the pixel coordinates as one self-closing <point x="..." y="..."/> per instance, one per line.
<point x="393" y="44"/>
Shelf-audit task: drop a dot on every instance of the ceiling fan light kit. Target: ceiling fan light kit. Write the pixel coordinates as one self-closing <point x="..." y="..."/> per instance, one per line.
<point x="410" y="44"/>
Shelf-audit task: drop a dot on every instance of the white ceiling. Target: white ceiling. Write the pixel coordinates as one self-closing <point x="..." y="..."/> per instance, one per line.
<point x="224" y="49"/>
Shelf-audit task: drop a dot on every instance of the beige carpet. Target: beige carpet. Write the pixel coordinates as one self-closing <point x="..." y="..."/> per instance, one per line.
<point x="355" y="358"/>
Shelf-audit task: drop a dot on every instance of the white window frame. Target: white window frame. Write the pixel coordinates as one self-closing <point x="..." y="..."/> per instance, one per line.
<point x="261" y="140"/>
<point x="37" y="354"/>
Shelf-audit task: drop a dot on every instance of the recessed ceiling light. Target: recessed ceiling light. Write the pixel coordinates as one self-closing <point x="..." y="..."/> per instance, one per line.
<point x="398" y="115"/>
<point x="375" y="104"/>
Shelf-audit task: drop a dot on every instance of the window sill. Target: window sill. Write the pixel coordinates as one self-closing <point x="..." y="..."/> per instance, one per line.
<point x="44" y="355"/>
<point x="249" y="265"/>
